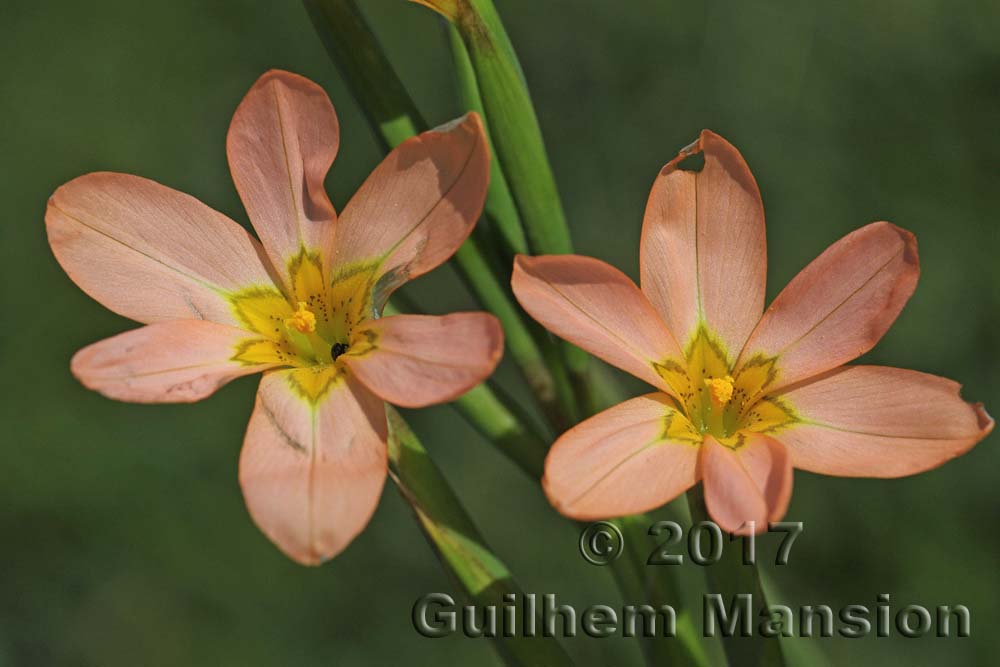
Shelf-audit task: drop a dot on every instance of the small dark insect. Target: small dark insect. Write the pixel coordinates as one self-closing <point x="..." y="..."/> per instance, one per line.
<point x="338" y="349"/>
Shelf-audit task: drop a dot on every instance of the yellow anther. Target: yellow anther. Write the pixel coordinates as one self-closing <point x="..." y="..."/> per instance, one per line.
<point x="302" y="320"/>
<point x="720" y="389"/>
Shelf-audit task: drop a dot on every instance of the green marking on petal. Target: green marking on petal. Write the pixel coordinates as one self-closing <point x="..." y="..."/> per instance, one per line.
<point x="769" y="415"/>
<point x="315" y="382"/>
<point x="677" y="427"/>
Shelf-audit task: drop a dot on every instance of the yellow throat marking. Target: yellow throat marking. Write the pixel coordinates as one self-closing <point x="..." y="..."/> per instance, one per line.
<point x="310" y="328"/>
<point x="716" y="397"/>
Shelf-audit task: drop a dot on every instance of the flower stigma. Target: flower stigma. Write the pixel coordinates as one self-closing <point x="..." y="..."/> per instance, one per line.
<point x="720" y="389"/>
<point x="302" y="320"/>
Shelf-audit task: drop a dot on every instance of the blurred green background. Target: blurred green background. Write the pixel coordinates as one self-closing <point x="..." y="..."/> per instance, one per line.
<point x="125" y="539"/>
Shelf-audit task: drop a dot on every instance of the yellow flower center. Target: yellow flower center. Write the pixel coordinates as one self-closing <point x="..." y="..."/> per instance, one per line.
<point x="310" y="328"/>
<point x="720" y="400"/>
<point x="302" y="320"/>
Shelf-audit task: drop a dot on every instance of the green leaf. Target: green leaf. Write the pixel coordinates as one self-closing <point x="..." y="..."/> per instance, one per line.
<point x="481" y="574"/>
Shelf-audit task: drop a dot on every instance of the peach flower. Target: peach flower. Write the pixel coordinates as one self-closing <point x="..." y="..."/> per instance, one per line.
<point x="743" y="395"/>
<point x="302" y="305"/>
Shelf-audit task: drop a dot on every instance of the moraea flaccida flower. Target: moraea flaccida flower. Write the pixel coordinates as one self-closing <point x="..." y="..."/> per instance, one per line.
<point x="744" y="395"/>
<point x="302" y="305"/>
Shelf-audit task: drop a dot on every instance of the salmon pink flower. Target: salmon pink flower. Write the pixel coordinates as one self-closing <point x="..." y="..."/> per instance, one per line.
<point x="743" y="395"/>
<point x="302" y="305"/>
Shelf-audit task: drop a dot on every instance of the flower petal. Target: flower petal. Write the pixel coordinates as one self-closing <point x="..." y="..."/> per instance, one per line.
<point x="769" y="464"/>
<point x="419" y="360"/>
<point x="151" y="253"/>
<point x="594" y="305"/>
<point x="875" y="421"/>
<point x="839" y="306"/>
<point x="181" y="361"/>
<point x="733" y="503"/>
<point x="419" y="205"/>
<point x="281" y="143"/>
<point x="312" y="472"/>
<point x="732" y="495"/>
<point x="632" y="457"/>
<point x="703" y="255"/>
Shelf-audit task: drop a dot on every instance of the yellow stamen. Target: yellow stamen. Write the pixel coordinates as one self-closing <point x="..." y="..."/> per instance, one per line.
<point x="302" y="320"/>
<point x="720" y="389"/>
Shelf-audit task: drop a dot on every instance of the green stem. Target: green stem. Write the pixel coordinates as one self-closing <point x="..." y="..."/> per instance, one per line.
<point x="500" y="206"/>
<point x="482" y="576"/>
<point x="360" y="60"/>
<point x="642" y="583"/>
<point x="474" y="268"/>
<point x="371" y="78"/>
<point x="491" y="82"/>
<point x="495" y="415"/>
<point x="516" y="133"/>
<point x="730" y="577"/>
<point x="354" y="48"/>
<point x="502" y="423"/>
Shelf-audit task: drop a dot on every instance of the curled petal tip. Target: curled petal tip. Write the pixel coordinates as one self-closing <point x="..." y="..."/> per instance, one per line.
<point x="910" y="254"/>
<point x="470" y="122"/>
<point x="523" y="262"/>
<point x="446" y="8"/>
<point x="985" y="420"/>
<point x="470" y="117"/>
